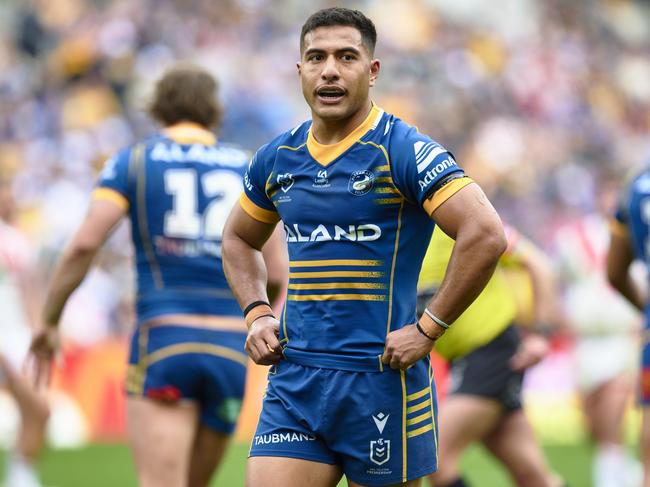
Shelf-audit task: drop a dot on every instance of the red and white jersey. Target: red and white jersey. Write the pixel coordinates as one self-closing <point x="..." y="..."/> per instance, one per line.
<point x="16" y="257"/>
<point x="591" y="305"/>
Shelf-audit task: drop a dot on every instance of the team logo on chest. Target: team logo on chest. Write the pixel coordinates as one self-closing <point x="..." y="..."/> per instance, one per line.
<point x="361" y="182"/>
<point x="285" y="181"/>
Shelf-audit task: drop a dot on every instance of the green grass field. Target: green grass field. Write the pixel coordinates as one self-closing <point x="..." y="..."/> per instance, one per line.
<point x="110" y="465"/>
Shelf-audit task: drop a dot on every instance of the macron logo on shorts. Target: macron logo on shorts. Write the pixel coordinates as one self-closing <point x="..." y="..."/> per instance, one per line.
<point x="425" y="153"/>
<point x="380" y="421"/>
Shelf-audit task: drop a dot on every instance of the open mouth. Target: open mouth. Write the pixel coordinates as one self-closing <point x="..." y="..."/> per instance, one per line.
<point x="330" y="94"/>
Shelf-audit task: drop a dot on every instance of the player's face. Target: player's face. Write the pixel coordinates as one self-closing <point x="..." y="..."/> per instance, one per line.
<point x="336" y="72"/>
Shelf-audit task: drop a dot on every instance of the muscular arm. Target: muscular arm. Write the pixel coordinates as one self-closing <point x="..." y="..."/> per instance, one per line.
<point x="277" y="264"/>
<point x="245" y="269"/>
<point x="469" y="218"/>
<point x="619" y="260"/>
<point x="71" y="269"/>
<point x="243" y="261"/>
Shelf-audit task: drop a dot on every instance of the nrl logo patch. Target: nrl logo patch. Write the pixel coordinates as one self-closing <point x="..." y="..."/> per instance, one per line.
<point x="285" y="181"/>
<point x="379" y="451"/>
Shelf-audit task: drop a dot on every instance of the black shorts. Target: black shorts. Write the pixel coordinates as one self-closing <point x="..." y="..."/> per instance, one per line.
<point x="486" y="371"/>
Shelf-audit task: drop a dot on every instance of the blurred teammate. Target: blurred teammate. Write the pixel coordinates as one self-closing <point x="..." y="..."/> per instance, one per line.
<point x="488" y="359"/>
<point x="17" y="295"/>
<point x="356" y="190"/>
<point x="605" y="329"/>
<point x="187" y="363"/>
<point x="630" y="234"/>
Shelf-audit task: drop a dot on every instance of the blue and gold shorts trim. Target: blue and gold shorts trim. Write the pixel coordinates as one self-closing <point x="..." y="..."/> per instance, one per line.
<point x="174" y="363"/>
<point x="380" y="427"/>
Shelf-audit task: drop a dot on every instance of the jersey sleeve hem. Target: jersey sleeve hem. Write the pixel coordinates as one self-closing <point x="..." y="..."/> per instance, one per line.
<point x="108" y="194"/>
<point x="444" y="193"/>
<point x="259" y="214"/>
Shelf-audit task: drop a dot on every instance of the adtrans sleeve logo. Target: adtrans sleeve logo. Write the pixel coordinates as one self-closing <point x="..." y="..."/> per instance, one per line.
<point x="361" y="182"/>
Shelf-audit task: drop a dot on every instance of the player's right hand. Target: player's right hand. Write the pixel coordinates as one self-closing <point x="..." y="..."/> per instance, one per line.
<point x="262" y="344"/>
<point x="42" y="351"/>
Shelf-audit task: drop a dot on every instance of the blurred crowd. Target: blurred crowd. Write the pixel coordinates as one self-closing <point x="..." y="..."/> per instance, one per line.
<point x="544" y="102"/>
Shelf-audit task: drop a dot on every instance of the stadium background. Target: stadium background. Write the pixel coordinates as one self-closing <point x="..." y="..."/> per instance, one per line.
<point x="545" y="102"/>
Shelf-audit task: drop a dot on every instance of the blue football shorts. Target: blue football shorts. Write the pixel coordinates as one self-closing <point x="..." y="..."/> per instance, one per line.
<point x="379" y="427"/>
<point x="174" y="363"/>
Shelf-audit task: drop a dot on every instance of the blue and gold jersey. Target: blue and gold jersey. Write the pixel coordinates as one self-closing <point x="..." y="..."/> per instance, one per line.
<point x="178" y="188"/>
<point x="356" y="217"/>
<point x="633" y="215"/>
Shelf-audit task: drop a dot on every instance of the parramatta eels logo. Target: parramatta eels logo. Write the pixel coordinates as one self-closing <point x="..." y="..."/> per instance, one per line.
<point x="285" y="181"/>
<point x="379" y="451"/>
<point x="361" y="182"/>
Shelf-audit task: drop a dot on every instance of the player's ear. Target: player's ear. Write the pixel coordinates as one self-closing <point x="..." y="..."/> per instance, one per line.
<point x="298" y="65"/>
<point x="375" y="66"/>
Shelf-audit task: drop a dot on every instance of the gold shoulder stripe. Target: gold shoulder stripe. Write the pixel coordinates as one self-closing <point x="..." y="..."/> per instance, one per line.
<point x="260" y="214"/>
<point x="386" y="189"/>
<point x="111" y="195"/>
<point x="384" y="168"/>
<point x="384" y="179"/>
<point x="334" y="262"/>
<point x="444" y="193"/>
<point x="388" y="201"/>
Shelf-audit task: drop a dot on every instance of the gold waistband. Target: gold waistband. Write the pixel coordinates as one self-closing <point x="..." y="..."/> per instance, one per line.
<point x="231" y="323"/>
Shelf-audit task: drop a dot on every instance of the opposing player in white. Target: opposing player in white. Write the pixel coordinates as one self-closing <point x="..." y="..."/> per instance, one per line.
<point x="605" y="328"/>
<point x="16" y="301"/>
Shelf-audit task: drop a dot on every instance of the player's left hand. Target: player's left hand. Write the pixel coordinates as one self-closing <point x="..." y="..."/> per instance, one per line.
<point x="42" y="352"/>
<point x="531" y="351"/>
<point x="405" y="346"/>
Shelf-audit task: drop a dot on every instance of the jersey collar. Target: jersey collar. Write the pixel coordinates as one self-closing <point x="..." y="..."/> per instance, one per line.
<point x="189" y="133"/>
<point x="324" y="154"/>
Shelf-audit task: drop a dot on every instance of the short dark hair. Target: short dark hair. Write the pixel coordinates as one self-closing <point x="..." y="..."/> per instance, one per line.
<point x="186" y="93"/>
<point x="341" y="16"/>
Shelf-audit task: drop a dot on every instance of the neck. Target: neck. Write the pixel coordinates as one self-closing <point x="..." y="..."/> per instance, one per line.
<point x="332" y="131"/>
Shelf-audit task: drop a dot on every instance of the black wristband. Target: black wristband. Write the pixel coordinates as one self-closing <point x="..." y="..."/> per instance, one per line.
<point x="421" y="330"/>
<point x="248" y="308"/>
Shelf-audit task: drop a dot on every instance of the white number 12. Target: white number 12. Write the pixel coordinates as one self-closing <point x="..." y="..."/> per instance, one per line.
<point x="183" y="220"/>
